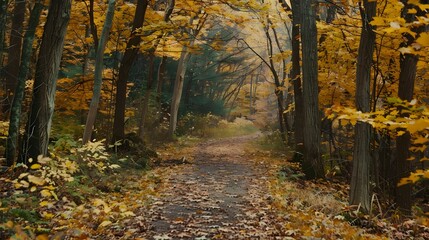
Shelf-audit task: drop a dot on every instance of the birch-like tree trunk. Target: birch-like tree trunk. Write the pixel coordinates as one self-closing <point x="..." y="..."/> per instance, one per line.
<point x="178" y="89"/>
<point x="98" y="72"/>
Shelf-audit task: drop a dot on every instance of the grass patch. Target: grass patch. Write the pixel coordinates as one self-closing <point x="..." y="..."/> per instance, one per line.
<point x="225" y="129"/>
<point x="273" y="142"/>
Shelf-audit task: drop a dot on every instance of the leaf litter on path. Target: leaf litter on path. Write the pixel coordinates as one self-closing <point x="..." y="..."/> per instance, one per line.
<point x="227" y="193"/>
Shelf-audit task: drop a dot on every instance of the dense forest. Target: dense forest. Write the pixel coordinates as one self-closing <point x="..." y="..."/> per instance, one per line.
<point x="326" y="97"/>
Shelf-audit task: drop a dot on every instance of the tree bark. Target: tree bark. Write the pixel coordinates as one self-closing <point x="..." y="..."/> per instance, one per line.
<point x="178" y="88"/>
<point x="16" y="108"/>
<point x="98" y="73"/>
<point x="146" y="98"/>
<point x="47" y="67"/>
<point x="145" y="104"/>
<point x="312" y="163"/>
<point x="14" y="52"/>
<point x="295" y="76"/>
<point x="407" y="78"/>
<point x="180" y="74"/>
<point x="124" y="70"/>
<point x="3" y="19"/>
<point x="359" y="186"/>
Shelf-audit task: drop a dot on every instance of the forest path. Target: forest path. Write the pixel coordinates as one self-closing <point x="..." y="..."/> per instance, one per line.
<point x="222" y="195"/>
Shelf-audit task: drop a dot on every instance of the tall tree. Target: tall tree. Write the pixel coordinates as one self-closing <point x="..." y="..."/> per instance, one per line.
<point x="407" y="76"/>
<point x="14" y="52"/>
<point x="15" y="112"/>
<point x="359" y="187"/>
<point x="98" y="72"/>
<point x="295" y="76"/>
<point x="124" y="70"/>
<point x="181" y="70"/>
<point x="312" y="163"/>
<point x="150" y="80"/>
<point x="45" y="82"/>
<point x="3" y="14"/>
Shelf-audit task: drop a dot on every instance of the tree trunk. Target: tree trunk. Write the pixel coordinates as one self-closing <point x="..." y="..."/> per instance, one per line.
<point x="312" y="162"/>
<point x="15" y="113"/>
<point x="14" y="52"/>
<point x="359" y="186"/>
<point x="98" y="73"/>
<point x="3" y="19"/>
<point x="145" y="105"/>
<point x="403" y="143"/>
<point x="177" y="91"/>
<point x="47" y="67"/>
<point x="124" y="70"/>
<point x="146" y="98"/>
<point x="296" y="80"/>
<point x="160" y="81"/>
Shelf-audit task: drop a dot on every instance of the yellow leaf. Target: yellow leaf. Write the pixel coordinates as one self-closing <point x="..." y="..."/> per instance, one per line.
<point x="47" y="215"/>
<point x="400" y="133"/>
<point x="44" y="203"/>
<point x="377" y="21"/>
<point x="128" y="214"/>
<point x="412" y="11"/>
<point x="42" y="237"/>
<point x="22" y="175"/>
<point x="33" y="189"/>
<point x="418" y="125"/>
<point x="36" y="166"/>
<point x="24" y="183"/>
<point x="98" y="202"/>
<point x="36" y="180"/>
<point x="421" y="140"/>
<point x="45" y="193"/>
<point x="423" y="40"/>
<point x="54" y="195"/>
<point x="105" y="223"/>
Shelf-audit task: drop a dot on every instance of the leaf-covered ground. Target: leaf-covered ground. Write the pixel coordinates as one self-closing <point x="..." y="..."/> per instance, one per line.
<point x="217" y="189"/>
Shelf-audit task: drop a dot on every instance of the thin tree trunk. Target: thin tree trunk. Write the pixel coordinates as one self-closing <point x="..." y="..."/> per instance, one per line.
<point x="47" y="67"/>
<point x="3" y="20"/>
<point x="124" y="70"/>
<point x="312" y="162"/>
<point x="359" y="186"/>
<point x="15" y="114"/>
<point x="145" y="105"/>
<point x="92" y="25"/>
<point x="146" y="97"/>
<point x="160" y="81"/>
<point x="98" y="72"/>
<point x="14" y="52"/>
<point x="407" y="77"/>
<point x="178" y="89"/>
<point x="295" y="76"/>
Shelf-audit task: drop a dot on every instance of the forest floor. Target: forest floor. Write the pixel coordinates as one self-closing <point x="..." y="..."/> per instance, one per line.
<point x="228" y="189"/>
<point x="214" y="189"/>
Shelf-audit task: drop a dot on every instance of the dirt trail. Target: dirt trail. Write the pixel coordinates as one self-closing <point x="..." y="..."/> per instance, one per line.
<point x="222" y="195"/>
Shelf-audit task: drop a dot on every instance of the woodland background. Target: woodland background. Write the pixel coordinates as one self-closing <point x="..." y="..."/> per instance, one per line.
<point x="89" y="86"/>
